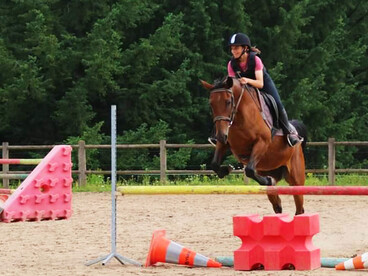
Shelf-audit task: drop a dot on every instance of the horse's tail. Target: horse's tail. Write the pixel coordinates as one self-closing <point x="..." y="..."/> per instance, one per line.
<point x="302" y="131"/>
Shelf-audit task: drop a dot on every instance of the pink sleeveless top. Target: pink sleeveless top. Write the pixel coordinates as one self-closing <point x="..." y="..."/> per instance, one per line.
<point x="243" y="66"/>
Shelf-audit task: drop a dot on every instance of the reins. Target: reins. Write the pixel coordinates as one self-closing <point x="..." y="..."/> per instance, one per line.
<point x="251" y="95"/>
<point x="237" y="105"/>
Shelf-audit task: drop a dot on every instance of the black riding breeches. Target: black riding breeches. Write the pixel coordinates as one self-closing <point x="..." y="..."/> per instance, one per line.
<point x="270" y="88"/>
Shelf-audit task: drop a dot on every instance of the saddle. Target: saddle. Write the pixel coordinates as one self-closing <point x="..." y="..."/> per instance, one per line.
<point x="272" y="107"/>
<point x="270" y="113"/>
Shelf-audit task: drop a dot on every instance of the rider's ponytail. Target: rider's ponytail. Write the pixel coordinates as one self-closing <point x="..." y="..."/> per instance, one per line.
<point x="255" y="49"/>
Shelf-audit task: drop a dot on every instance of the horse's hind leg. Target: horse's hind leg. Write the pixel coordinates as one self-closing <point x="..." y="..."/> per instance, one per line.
<point x="276" y="203"/>
<point x="299" y="201"/>
<point x="275" y="199"/>
<point x="296" y="177"/>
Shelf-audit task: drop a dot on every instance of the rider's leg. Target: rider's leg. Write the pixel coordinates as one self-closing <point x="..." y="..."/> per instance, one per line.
<point x="291" y="136"/>
<point x="270" y="88"/>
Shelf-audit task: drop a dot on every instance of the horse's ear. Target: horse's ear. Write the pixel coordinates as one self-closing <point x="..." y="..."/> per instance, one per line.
<point x="229" y="82"/>
<point x="206" y="84"/>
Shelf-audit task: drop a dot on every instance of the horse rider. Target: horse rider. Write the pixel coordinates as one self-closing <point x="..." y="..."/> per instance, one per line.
<point x="246" y="65"/>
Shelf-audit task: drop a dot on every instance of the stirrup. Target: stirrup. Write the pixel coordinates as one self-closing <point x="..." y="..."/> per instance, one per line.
<point x="296" y="139"/>
<point x="212" y="141"/>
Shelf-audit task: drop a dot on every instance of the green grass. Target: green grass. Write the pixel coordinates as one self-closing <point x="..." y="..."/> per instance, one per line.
<point x="97" y="183"/>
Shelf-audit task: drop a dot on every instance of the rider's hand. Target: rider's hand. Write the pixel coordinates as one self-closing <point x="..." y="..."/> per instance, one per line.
<point x="243" y="80"/>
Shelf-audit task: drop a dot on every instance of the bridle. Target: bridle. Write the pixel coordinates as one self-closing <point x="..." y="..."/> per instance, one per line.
<point x="234" y="107"/>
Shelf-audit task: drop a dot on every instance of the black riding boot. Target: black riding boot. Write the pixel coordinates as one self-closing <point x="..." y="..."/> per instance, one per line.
<point x="292" y="138"/>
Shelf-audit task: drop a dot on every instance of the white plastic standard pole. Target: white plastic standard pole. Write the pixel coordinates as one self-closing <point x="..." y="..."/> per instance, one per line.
<point x="113" y="253"/>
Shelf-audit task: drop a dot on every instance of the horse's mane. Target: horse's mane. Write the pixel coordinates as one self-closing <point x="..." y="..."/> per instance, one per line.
<point x="220" y="82"/>
<point x="225" y="82"/>
<point x="228" y="82"/>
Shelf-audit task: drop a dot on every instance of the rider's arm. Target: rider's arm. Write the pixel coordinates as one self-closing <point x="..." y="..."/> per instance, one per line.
<point x="258" y="82"/>
<point x="230" y="71"/>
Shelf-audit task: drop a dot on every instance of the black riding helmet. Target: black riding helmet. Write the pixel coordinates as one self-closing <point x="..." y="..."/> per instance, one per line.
<point x="239" y="39"/>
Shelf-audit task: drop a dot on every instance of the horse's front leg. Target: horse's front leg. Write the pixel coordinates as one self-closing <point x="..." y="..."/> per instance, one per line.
<point x="220" y="151"/>
<point x="262" y="180"/>
<point x="258" y="151"/>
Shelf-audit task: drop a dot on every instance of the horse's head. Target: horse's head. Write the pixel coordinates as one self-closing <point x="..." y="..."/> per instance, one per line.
<point x="222" y="105"/>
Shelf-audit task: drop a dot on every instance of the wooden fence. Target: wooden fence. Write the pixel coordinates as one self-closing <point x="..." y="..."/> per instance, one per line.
<point x="82" y="171"/>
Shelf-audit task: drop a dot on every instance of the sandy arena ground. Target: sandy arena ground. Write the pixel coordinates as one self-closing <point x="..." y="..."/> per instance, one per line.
<point x="202" y="223"/>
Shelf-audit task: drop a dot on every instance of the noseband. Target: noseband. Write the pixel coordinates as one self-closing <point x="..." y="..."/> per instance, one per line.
<point x="234" y="107"/>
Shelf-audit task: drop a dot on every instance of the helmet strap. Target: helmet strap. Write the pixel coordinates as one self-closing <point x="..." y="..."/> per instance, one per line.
<point x="243" y="52"/>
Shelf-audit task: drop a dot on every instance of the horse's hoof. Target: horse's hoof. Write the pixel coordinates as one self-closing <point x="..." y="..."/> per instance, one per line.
<point x="299" y="212"/>
<point x="224" y="171"/>
<point x="277" y="209"/>
<point x="220" y="175"/>
<point x="249" y="172"/>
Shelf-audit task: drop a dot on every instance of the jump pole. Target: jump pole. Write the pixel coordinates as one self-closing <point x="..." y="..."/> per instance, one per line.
<point x="325" y="262"/>
<point x="6" y="191"/>
<point x="113" y="253"/>
<point x="21" y="161"/>
<point x="269" y="190"/>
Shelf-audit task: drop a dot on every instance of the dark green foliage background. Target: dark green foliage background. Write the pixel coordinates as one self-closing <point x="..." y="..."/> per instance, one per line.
<point x="64" y="63"/>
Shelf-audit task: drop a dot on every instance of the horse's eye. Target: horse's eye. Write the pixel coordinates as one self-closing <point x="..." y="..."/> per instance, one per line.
<point x="228" y="102"/>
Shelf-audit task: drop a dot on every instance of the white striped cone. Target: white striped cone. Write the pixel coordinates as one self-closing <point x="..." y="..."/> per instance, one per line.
<point x="357" y="262"/>
<point x="166" y="251"/>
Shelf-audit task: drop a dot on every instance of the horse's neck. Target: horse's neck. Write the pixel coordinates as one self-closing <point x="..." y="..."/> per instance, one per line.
<point x="249" y="97"/>
<point x="249" y="110"/>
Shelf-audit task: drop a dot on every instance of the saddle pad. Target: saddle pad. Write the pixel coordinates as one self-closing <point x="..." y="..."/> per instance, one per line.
<point x="267" y="116"/>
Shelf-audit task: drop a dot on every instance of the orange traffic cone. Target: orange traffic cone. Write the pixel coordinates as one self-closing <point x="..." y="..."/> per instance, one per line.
<point x="166" y="251"/>
<point x="354" y="263"/>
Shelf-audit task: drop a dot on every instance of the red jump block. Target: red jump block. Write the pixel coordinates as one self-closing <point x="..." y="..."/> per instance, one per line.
<point x="46" y="194"/>
<point x="276" y="242"/>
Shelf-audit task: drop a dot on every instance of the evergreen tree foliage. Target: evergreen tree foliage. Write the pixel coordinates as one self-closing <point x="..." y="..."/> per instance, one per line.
<point x="65" y="62"/>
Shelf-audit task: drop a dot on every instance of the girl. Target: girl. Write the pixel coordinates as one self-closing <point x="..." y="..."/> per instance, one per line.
<point x="248" y="67"/>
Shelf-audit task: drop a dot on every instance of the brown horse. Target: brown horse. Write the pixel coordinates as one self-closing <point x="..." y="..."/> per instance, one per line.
<point x="240" y="127"/>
